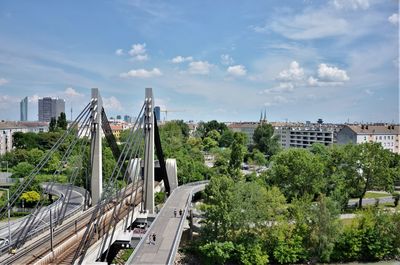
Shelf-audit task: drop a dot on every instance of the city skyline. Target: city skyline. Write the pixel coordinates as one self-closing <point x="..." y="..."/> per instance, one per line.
<point x="336" y="60"/>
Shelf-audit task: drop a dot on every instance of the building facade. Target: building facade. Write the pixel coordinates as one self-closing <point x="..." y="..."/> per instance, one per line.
<point x="8" y="128"/>
<point x="23" y="109"/>
<point x="50" y="108"/>
<point x="303" y="135"/>
<point x="387" y="135"/>
<point x="247" y="128"/>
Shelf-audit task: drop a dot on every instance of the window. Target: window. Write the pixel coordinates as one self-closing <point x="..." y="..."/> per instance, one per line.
<point x="380" y="137"/>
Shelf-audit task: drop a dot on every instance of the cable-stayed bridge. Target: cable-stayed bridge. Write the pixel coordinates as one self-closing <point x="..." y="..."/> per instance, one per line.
<point x="95" y="215"/>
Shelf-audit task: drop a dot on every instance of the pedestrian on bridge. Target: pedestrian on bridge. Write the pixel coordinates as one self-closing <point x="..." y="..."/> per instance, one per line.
<point x="175" y="212"/>
<point x="154" y="238"/>
<point x="180" y="212"/>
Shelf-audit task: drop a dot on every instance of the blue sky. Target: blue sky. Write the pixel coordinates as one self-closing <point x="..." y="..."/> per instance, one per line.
<point x="226" y="60"/>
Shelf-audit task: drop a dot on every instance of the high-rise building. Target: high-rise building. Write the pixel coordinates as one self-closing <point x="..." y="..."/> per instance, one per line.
<point x="127" y="118"/>
<point x="50" y="108"/>
<point x="23" y="107"/>
<point x="157" y="111"/>
<point x="118" y="117"/>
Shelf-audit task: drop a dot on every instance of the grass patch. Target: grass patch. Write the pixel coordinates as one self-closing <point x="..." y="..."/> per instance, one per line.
<point x="348" y="222"/>
<point x="373" y="195"/>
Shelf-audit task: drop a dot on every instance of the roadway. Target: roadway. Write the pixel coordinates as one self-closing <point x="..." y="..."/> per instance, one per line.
<point x="168" y="229"/>
<point x="29" y="226"/>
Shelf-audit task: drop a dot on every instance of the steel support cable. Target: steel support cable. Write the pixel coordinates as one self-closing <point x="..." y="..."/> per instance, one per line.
<point x="89" y="231"/>
<point x="117" y="210"/>
<point x="132" y="206"/>
<point x="30" y="224"/>
<point x="99" y="221"/>
<point x="40" y="165"/>
<point x="74" y="174"/>
<point x="130" y="150"/>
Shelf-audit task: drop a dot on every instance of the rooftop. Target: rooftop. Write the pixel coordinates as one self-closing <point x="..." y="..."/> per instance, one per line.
<point x="22" y="124"/>
<point x="375" y="129"/>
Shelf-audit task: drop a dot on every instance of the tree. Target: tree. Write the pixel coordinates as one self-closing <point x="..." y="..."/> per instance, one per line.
<point x="237" y="153"/>
<point x="226" y="138"/>
<point x="297" y="172"/>
<point x="62" y="121"/>
<point x="35" y="155"/>
<point x="22" y="170"/>
<point x="26" y="140"/>
<point x="204" y="128"/>
<point x="264" y="139"/>
<point x="368" y="167"/>
<point x="30" y="198"/>
<point x="52" y="124"/>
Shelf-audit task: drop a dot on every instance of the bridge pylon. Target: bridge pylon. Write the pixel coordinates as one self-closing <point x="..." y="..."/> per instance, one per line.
<point x="149" y="151"/>
<point x="96" y="183"/>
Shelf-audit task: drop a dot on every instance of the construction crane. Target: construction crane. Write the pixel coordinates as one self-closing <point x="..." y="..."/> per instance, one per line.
<point x="169" y="110"/>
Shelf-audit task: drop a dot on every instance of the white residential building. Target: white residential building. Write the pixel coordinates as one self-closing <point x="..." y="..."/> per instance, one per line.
<point x="303" y="135"/>
<point x="387" y="135"/>
<point x="8" y="128"/>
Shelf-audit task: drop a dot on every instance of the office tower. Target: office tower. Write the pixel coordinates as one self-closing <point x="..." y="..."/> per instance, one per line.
<point x="157" y="111"/>
<point x="50" y="108"/>
<point x="118" y="117"/>
<point x="23" y="107"/>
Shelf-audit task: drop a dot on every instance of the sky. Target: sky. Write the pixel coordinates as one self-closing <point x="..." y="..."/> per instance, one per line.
<point x="227" y="60"/>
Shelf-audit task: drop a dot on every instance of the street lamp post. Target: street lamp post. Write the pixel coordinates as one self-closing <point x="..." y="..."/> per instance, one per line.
<point x="9" y="209"/>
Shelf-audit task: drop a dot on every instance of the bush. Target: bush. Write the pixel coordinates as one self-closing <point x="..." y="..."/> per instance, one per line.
<point x="159" y="197"/>
<point x="216" y="252"/>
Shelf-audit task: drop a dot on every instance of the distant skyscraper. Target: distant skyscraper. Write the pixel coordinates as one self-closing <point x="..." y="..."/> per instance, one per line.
<point x="23" y="107"/>
<point x="50" y="108"/>
<point x="157" y="110"/>
<point x="118" y="117"/>
<point x="127" y="118"/>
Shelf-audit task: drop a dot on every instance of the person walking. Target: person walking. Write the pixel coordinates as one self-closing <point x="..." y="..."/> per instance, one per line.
<point x="154" y="238"/>
<point x="175" y="212"/>
<point x="180" y="212"/>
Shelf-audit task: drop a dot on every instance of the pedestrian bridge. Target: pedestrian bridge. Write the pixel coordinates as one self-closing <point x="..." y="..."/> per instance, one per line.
<point x="167" y="227"/>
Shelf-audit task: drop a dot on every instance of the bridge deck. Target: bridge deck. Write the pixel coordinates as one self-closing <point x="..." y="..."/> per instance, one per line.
<point x="166" y="227"/>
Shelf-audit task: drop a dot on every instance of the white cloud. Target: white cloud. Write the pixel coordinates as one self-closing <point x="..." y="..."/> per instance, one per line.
<point x="331" y="74"/>
<point x="328" y="76"/>
<point x="237" y="70"/>
<point x="369" y="92"/>
<point x="311" y="25"/>
<point x="138" y="52"/>
<point x="142" y="73"/>
<point x="282" y="87"/>
<point x="72" y="93"/>
<point x="3" y="81"/>
<point x="276" y="100"/>
<point x="294" y="73"/>
<point x="119" y="52"/>
<point x="112" y="103"/>
<point x="181" y="59"/>
<point x="394" y="19"/>
<point x="226" y="59"/>
<point x="351" y="4"/>
<point x="200" y="67"/>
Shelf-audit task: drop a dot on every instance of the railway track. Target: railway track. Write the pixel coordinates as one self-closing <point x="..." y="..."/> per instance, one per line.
<point x="72" y="229"/>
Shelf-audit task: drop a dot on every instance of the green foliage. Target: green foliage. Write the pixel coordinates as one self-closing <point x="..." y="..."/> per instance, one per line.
<point x="204" y="128"/>
<point x="367" y="167"/>
<point x="238" y="150"/>
<point x="209" y="143"/>
<point x="27" y="140"/>
<point x="159" y="197"/>
<point x="297" y="172"/>
<point x="30" y="198"/>
<point x="348" y="245"/>
<point x="249" y="254"/>
<point x="22" y="170"/>
<point x="226" y="138"/>
<point x="62" y="121"/>
<point x="35" y="155"/>
<point x="186" y="151"/>
<point x="52" y="124"/>
<point x="264" y="139"/>
<point x="216" y="252"/>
